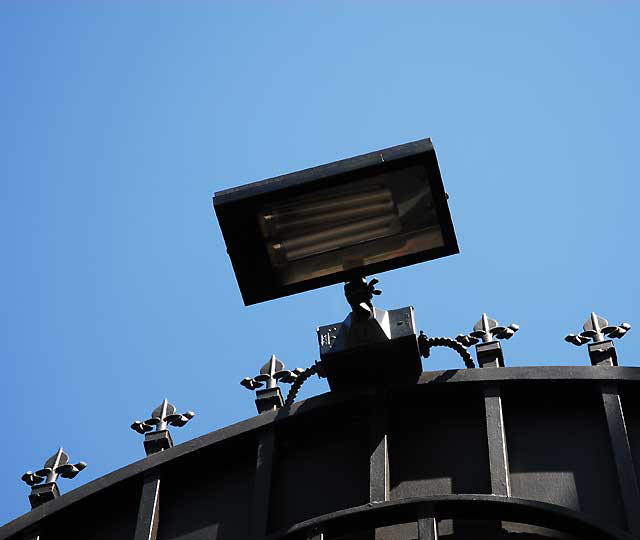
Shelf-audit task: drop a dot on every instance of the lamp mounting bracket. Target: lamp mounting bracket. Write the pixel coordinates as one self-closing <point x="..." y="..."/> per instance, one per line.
<point x="359" y="295"/>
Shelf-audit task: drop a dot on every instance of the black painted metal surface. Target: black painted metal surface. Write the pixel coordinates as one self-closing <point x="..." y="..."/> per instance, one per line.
<point x="43" y="482"/>
<point x="462" y="454"/>
<point x="238" y="208"/>
<point x="163" y="416"/>
<point x="149" y="509"/>
<point x="426" y="510"/>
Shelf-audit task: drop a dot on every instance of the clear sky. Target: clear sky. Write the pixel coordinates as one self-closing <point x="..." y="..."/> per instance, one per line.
<point x="119" y="120"/>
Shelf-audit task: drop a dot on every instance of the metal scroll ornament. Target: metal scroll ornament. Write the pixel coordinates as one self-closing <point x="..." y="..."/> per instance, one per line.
<point x="57" y="465"/>
<point x="597" y="329"/>
<point x="486" y="330"/>
<point x="163" y="415"/>
<point x="270" y="374"/>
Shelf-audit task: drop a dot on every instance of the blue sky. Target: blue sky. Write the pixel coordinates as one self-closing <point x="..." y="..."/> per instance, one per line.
<point x="119" y="120"/>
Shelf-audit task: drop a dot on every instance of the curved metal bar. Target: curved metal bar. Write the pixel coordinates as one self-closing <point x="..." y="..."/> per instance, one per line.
<point x="533" y="373"/>
<point x="480" y="507"/>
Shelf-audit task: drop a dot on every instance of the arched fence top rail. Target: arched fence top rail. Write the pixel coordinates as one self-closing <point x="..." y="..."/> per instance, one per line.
<point x="477" y="507"/>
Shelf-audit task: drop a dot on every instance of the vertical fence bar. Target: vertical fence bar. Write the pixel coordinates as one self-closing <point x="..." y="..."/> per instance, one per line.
<point x="427" y="524"/>
<point x="315" y="534"/>
<point x="262" y="485"/>
<point x="622" y="455"/>
<point x="496" y="440"/>
<point x="378" y="451"/>
<point x="32" y="533"/>
<point x="378" y="454"/>
<point x="149" y="509"/>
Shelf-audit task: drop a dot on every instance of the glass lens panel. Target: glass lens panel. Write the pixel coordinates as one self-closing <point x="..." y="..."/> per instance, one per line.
<point x="351" y="226"/>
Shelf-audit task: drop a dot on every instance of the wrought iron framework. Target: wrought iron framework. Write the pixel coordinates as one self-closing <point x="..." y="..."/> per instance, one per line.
<point x="426" y="512"/>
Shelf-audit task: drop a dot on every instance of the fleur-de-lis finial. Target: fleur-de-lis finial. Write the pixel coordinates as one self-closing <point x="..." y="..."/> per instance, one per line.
<point x="270" y="375"/>
<point x="595" y="329"/>
<point x="484" y="336"/>
<point x="487" y="329"/>
<point x="43" y="481"/>
<point x="163" y="416"/>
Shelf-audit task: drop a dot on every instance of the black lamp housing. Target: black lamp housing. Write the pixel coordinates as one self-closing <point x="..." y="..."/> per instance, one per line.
<point x="329" y="224"/>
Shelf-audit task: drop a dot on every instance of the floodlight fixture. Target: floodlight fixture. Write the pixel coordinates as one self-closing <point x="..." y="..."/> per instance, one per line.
<point x="337" y="222"/>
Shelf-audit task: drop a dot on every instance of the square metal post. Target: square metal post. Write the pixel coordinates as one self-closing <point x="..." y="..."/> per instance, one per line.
<point x="427" y="524"/>
<point x="603" y="353"/>
<point x="43" y="493"/>
<point x="269" y="399"/>
<point x="149" y="509"/>
<point x="490" y="354"/>
<point x="622" y="455"/>
<point x="156" y="441"/>
<point x="259" y="519"/>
